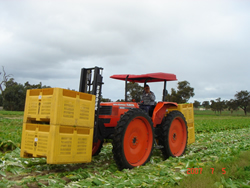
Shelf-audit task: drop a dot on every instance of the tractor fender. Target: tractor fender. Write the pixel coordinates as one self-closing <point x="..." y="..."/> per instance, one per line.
<point x="160" y="111"/>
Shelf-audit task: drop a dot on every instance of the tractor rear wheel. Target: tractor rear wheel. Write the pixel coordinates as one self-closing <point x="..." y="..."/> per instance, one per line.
<point x="97" y="146"/>
<point x="133" y="139"/>
<point x="174" y="135"/>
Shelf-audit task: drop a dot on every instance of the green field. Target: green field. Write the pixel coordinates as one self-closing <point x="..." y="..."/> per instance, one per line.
<point x="222" y="141"/>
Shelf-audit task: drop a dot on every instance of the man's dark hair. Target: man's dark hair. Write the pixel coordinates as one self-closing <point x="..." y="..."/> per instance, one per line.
<point x="146" y="85"/>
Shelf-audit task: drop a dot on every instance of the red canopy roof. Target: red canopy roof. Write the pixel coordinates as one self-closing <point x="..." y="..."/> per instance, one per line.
<point x="151" y="77"/>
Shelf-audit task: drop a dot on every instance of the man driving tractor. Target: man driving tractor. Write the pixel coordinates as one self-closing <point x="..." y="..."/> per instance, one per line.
<point x="148" y="100"/>
<point x="148" y="97"/>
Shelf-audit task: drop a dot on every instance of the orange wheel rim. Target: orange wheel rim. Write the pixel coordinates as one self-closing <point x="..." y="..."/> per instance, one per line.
<point x="177" y="136"/>
<point x="138" y="141"/>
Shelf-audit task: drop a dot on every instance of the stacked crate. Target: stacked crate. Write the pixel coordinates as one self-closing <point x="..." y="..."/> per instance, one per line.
<point x="58" y="124"/>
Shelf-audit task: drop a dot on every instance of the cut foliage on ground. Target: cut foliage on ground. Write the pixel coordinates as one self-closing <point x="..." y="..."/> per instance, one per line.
<point x="234" y="172"/>
<point x="216" y="144"/>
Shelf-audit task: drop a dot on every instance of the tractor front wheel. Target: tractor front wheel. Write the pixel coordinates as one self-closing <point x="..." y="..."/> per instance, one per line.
<point x="133" y="139"/>
<point x="174" y="135"/>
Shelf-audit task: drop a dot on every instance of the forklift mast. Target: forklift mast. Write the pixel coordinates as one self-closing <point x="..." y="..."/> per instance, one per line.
<point x="91" y="82"/>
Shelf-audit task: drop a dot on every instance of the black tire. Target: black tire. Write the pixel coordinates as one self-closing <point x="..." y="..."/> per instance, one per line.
<point x="133" y="139"/>
<point x="96" y="149"/>
<point x="173" y="135"/>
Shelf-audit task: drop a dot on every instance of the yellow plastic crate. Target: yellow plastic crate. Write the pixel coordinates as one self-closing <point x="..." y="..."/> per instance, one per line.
<point x="59" y="144"/>
<point x="58" y="106"/>
<point x="188" y="112"/>
<point x="191" y="134"/>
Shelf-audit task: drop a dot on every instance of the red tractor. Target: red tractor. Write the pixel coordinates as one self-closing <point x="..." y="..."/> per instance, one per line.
<point x="135" y="133"/>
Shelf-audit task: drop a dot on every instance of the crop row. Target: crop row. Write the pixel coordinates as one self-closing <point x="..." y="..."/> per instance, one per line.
<point x="209" y="148"/>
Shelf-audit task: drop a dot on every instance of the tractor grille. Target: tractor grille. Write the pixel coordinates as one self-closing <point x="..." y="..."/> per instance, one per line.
<point x="105" y="110"/>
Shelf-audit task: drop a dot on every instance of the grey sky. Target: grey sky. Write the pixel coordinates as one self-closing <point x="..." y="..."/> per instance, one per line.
<point x="204" y="42"/>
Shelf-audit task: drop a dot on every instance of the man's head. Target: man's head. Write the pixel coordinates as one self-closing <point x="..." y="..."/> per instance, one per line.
<point x="146" y="88"/>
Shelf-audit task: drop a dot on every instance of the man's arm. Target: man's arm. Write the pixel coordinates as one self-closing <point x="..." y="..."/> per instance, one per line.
<point x="142" y="97"/>
<point x="152" y="96"/>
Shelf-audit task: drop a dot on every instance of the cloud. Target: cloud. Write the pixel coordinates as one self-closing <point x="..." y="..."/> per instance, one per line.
<point x="203" y="42"/>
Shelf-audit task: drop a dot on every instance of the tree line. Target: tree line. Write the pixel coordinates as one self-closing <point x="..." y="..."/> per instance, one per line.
<point x="13" y="94"/>
<point x="184" y="92"/>
<point x="241" y="101"/>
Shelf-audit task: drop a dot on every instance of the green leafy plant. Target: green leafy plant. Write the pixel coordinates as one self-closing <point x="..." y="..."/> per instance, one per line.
<point x="218" y="140"/>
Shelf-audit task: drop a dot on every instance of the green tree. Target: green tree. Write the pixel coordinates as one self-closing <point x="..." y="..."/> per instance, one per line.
<point x="231" y="105"/>
<point x="206" y="104"/>
<point x="172" y="97"/>
<point x="183" y="93"/>
<point x="218" y="105"/>
<point x="196" y="104"/>
<point x="242" y="99"/>
<point x="120" y="100"/>
<point x="105" y="100"/>
<point x="27" y="86"/>
<point x="134" y="91"/>
<point x="14" y="98"/>
<point x="14" y="94"/>
<point x="213" y="106"/>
